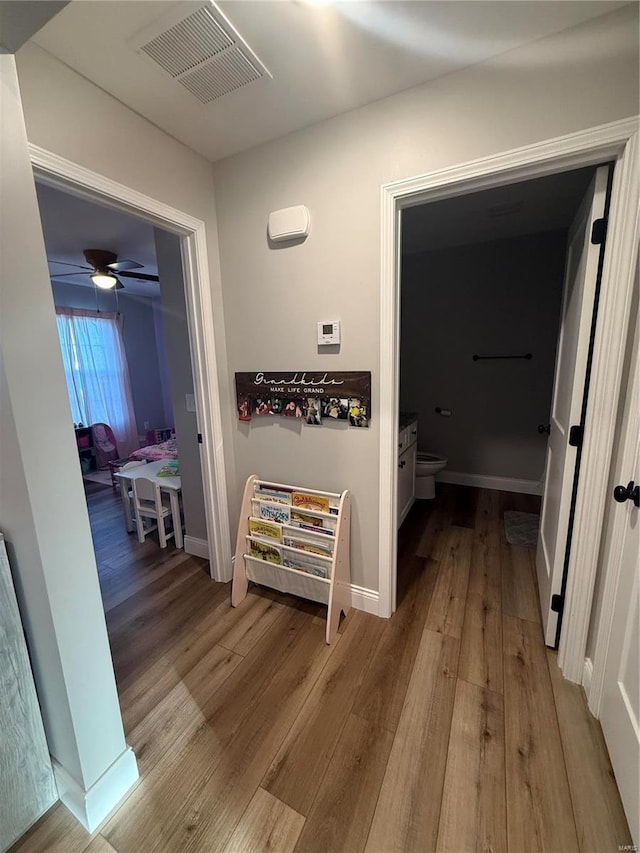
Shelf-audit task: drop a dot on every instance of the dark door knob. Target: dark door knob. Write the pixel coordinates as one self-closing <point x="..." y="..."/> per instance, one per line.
<point x="542" y="428"/>
<point x="630" y="492"/>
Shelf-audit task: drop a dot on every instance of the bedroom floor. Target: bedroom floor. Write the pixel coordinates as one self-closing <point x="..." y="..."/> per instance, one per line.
<point x="445" y="728"/>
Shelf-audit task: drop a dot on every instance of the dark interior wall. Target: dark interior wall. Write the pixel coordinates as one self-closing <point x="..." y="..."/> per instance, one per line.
<point x="139" y="334"/>
<point x="495" y="298"/>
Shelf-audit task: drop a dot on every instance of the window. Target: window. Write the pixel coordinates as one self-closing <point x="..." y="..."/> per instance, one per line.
<point x="96" y="371"/>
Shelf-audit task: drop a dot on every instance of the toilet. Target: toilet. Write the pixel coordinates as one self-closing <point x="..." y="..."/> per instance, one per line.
<point x="427" y="466"/>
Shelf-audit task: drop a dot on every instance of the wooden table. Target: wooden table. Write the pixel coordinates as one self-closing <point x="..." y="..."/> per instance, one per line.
<point x="170" y="485"/>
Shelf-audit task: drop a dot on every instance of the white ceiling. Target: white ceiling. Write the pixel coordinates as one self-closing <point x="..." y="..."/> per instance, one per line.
<point x="325" y="58"/>
<point x="71" y="224"/>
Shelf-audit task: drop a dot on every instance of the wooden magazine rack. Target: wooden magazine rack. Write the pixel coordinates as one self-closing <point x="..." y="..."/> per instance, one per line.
<point x="276" y="548"/>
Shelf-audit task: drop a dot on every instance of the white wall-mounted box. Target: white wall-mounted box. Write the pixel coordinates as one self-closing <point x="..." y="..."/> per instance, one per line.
<point x="289" y="223"/>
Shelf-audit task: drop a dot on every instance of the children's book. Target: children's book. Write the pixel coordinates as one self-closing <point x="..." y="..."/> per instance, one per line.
<point x="301" y="500"/>
<point x="299" y="518"/>
<point x="306" y="563"/>
<point x="315" y="529"/>
<point x="265" y="529"/>
<point x="263" y="551"/>
<point x="268" y="494"/>
<point x="309" y="522"/>
<point x="274" y="512"/>
<point x="311" y="546"/>
<point x="171" y="469"/>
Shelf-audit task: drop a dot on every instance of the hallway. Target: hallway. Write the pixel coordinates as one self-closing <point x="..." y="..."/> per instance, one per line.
<point x="445" y="728"/>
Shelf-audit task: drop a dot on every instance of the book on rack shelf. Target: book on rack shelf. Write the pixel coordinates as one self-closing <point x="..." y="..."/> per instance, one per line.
<point x="325" y="549"/>
<point x="263" y="551"/>
<point x="308" y="522"/>
<point x="275" y="512"/>
<point x="305" y="563"/>
<point x="301" y="500"/>
<point x="264" y="529"/>
<point x="271" y="493"/>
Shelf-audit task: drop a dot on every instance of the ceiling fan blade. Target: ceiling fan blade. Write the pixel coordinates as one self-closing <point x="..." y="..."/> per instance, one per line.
<point x="65" y="264"/>
<point x="65" y="274"/>
<point x="142" y="276"/>
<point x="125" y="265"/>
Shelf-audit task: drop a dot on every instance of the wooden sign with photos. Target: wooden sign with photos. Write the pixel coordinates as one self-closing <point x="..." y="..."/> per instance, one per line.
<point x="312" y="396"/>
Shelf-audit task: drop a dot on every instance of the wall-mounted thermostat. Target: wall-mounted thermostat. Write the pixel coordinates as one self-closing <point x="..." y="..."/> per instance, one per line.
<point x="328" y="332"/>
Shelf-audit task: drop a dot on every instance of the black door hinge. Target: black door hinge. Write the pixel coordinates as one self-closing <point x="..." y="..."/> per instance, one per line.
<point x="576" y="434"/>
<point x="199" y="438"/>
<point x="598" y="232"/>
<point x="557" y="603"/>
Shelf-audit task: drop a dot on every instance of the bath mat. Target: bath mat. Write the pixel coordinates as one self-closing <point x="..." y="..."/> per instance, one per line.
<point x="521" y="528"/>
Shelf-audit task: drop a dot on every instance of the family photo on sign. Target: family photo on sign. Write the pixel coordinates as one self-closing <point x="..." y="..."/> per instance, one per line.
<point x="312" y="410"/>
<point x="312" y="397"/>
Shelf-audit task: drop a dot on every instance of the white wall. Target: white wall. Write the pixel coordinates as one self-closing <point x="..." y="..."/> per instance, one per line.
<point x="43" y="510"/>
<point x="499" y="298"/>
<point x="583" y="77"/>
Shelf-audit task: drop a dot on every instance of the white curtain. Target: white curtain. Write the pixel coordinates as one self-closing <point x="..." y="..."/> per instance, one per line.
<point x="95" y="365"/>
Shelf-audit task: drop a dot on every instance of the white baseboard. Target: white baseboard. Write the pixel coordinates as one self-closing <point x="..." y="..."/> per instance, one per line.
<point x="587" y="675"/>
<point x="197" y="547"/>
<point x="365" y="599"/>
<point x="484" y="481"/>
<point x="91" y="807"/>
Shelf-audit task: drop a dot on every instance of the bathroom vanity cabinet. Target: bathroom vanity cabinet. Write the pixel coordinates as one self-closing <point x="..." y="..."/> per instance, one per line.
<point x="407" y="447"/>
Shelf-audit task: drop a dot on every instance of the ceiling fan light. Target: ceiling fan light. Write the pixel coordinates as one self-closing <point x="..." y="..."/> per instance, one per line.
<point x="105" y="280"/>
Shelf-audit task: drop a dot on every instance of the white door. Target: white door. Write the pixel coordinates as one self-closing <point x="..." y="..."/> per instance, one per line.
<point x="620" y="704"/>
<point x="581" y="273"/>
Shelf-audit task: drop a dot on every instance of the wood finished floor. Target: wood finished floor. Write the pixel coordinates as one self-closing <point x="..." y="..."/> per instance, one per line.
<point x="445" y="728"/>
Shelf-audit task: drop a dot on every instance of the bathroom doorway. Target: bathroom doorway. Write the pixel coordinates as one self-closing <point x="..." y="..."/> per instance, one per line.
<point x="488" y="280"/>
<point x="615" y="142"/>
<point x="498" y="289"/>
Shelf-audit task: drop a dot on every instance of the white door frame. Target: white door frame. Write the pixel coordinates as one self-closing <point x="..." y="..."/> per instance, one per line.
<point x="616" y="141"/>
<point x="63" y="174"/>
<point x="612" y="557"/>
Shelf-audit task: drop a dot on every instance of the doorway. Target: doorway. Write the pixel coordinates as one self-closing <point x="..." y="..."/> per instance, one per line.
<point x="618" y="142"/>
<point x="190" y="234"/>
<point x="142" y="389"/>
<point x="497" y="300"/>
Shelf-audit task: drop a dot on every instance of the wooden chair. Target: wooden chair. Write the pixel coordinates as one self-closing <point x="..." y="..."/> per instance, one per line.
<point x="126" y="492"/>
<point x="147" y="503"/>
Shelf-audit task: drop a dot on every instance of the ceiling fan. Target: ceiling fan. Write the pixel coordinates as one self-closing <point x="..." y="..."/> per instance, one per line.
<point x="103" y="268"/>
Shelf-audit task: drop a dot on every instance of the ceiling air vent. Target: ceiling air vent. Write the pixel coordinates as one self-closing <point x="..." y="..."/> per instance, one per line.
<point x="202" y="52"/>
